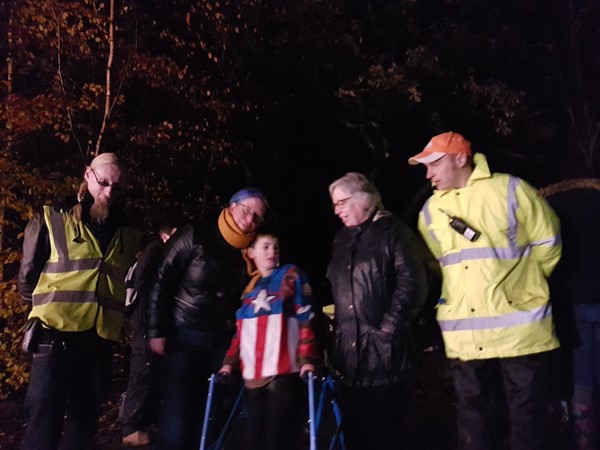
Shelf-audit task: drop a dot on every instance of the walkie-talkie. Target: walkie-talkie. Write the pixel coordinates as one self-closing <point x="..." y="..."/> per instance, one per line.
<point x="462" y="227"/>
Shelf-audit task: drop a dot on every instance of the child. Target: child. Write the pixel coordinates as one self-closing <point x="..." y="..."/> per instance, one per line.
<point x="274" y="344"/>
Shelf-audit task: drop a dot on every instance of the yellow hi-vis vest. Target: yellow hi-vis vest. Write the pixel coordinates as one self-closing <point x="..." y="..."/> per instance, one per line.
<point x="81" y="288"/>
<point x="495" y="297"/>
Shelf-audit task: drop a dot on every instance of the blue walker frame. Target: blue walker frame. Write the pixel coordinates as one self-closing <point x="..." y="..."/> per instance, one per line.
<point x="314" y="416"/>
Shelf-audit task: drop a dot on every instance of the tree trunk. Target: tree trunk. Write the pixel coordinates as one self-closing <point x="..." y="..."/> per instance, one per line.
<point x="111" y="52"/>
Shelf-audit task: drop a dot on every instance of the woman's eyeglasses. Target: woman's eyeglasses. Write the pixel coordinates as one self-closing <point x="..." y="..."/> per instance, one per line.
<point x="340" y="203"/>
<point x="248" y="211"/>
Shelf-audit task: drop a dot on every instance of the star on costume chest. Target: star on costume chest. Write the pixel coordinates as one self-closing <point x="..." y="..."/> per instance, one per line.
<point x="262" y="301"/>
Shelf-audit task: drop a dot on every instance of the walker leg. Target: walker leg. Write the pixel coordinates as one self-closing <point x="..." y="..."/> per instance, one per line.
<point x="337" y="413"/>
<point x="209" y="399"/>
<point x="320" y="405"/>
<point x="339" y="434"/>
<point x="311" y="411"/>
<point x="234" y="410"/>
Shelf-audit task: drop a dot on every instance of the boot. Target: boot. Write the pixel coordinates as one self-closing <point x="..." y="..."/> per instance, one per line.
<point x="137" y="439"/>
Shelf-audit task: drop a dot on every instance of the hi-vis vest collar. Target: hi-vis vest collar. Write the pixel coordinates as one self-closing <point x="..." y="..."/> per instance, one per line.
<point x="80" y="287"/>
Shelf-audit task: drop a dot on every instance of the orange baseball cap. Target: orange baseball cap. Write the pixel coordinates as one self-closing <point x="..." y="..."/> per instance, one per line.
<point x="440" y="145"/>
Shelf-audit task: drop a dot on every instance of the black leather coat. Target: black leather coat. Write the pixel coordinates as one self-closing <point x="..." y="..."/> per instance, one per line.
<point x="199" y="284"/>
<point x="377" y="275"/>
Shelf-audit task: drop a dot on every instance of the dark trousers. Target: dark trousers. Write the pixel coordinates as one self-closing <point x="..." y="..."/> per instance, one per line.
<point x="140" y="406"/>
<point x="274" y="414"/>
<point x="587" y="356"/>
<point x="371" y="416"/>
<point x="67" y="382"/>
<point x="184" y="383"/>
<point x="484" y="386"/>
<point x="586" y="397"/>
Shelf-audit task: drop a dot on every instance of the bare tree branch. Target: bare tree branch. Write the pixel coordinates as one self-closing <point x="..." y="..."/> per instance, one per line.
<point x="61" y="80"/>
<point x="125" y="71"/>
<point x="111" y="53"/>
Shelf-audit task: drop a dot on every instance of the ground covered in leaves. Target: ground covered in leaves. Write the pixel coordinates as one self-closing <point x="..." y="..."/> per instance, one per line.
<point x="429" y="422"/>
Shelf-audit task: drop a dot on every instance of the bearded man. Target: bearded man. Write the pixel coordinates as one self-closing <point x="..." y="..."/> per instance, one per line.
<point x="72" y="274"/>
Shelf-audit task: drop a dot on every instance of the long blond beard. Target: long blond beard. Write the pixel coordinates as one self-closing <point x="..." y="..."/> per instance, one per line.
<point x="99" y="212"/>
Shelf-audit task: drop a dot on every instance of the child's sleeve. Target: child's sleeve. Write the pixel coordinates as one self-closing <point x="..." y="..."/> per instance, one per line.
<point x="308" y="351"/>
<point x="232" y="357"/>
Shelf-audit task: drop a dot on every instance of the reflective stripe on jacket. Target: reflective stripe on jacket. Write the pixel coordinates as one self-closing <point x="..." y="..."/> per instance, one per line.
<point x="495" y="298"/>
<point x="80" y="287"/>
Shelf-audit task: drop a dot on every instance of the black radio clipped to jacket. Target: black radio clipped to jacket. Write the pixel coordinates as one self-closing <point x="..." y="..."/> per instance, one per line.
<point x="462" y="227"/>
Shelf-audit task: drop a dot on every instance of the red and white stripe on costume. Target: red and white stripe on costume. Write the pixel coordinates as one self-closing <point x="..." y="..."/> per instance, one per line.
<point x="268" y="346"/>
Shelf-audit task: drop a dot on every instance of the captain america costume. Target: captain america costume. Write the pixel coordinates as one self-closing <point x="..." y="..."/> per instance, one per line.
<point x="273" y="335"/>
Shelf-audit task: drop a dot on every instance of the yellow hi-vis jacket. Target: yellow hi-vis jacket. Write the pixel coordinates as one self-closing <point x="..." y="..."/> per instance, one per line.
<point x="80" y="287"/>
<point x="495" y="299"/>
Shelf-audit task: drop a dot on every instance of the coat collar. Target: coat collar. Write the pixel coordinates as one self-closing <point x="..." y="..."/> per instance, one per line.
<point x="480" y="172"/>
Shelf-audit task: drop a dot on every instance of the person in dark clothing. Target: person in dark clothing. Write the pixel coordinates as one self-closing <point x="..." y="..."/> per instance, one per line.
<point x="192" y="311"/>
<point x="72" y="273"/>
<point x="140" y="403"/>
<point x="378" y="283"/>
<point x="575" y="290"/>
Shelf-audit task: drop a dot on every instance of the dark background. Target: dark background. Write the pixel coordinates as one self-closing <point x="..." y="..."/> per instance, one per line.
<point x="286" y="95"/>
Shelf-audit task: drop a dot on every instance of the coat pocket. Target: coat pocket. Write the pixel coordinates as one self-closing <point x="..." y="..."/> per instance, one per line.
<point x="379" y="352"/>
<point x="444" y="235"/>
<point x="406" y="351"/>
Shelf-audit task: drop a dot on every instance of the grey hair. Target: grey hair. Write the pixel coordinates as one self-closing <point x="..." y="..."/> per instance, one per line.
<point x="360" y="187"/>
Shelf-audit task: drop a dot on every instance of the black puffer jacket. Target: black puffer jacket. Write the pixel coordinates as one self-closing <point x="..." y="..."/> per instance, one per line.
<point x="198" y="286"/>
<point x="378" y="284"/>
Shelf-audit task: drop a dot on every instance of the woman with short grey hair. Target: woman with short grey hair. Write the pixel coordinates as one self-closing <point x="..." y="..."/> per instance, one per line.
<point x="360" y="188"/>
<point x="377" y="277"/>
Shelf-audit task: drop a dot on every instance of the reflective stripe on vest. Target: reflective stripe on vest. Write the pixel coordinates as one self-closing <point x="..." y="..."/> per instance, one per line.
<point x="79" y="297"/>
<point x="513" y="251"/>
<point x="503" y="321"/>
<point x="81" y="288"/>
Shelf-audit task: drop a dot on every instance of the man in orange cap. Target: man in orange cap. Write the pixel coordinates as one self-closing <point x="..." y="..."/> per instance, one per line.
<point x="496" y="241"/>
<point x="446" y="173"/>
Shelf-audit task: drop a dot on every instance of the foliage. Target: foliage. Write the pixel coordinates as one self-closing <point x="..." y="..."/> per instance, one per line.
<point x="493" y="71"/>
<point x="13" y="365"/>
<point x="20" y="191"/>
<point x="176" y="88"/>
